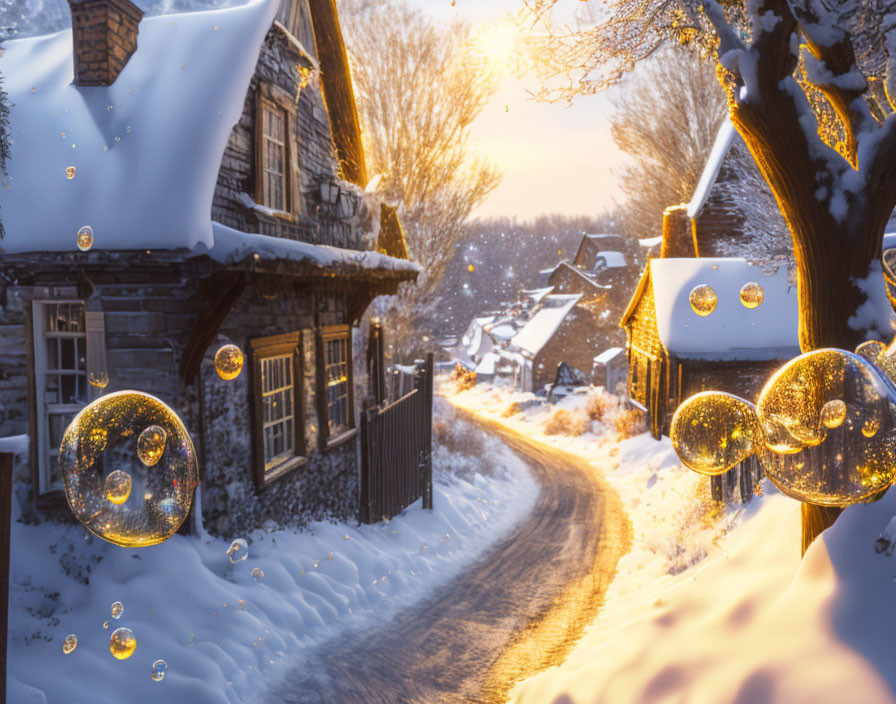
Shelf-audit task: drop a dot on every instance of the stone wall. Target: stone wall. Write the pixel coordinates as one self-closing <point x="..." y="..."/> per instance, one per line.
<point x="148" y="327"/>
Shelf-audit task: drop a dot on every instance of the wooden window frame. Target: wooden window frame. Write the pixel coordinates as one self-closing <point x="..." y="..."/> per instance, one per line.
<point x="266" y="348"/>
<point x="324" y="335"/>
<point x="273" y="98"/>
<point x="40" y="427"/>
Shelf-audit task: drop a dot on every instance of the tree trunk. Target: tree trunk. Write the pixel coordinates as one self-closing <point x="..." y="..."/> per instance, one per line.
<point x="815" y="520"/>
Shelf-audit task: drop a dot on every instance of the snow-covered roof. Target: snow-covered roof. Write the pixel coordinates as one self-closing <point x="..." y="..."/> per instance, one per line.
<point x="232" y="246"/>
<point x="146" y="150"/>
<point x="612" y="259"/>
<point x="504" y="331"/>
<point x="731" y="331"/>
<point x="651" y="241"/>
<point x="537" y="294"/>
<point x="607" y="355"/>
<point x="724" y="140"/>
<point x="545" y="322"/>
<point x="487" y="366"/>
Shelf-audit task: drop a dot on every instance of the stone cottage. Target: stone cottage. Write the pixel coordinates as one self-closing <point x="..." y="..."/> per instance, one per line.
<point x="216" y="158"/>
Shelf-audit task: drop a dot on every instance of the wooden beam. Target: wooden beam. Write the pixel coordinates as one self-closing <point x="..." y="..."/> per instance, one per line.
<point x="6" y="465"/>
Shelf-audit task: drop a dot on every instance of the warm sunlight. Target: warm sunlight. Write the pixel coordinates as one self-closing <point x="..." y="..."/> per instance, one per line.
<point x="498" y="43"/>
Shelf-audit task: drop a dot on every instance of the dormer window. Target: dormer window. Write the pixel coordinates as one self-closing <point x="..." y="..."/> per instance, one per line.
<point x="276" y="153"/>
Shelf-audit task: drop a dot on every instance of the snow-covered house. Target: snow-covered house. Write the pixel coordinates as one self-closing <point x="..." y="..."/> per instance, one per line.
<point x="674" y="352"/>
<point x="560" y="330"/>
<point x="610" y="369"/>
<point x="218" y="161"/>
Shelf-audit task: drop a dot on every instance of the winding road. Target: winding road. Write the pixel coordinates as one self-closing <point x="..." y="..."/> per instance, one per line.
<point x="514" y="613"/>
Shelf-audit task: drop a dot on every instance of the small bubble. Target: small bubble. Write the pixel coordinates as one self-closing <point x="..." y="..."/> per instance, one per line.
<point x="105" y="624"/>
<point x="117" y="609"/>
<point x="229" y="362"/>
<point x="833" y="413"/>
<point x="70" y="643"/>
<point x="98" y="379"/>
<point x="330" y="557"/>
<point x="118" y="489"/>
<point x="127" y="130"/>
<point x="151" y="445"/>
<point x="84" y="238"/>
<point x="703" y="300"/>
<point x="122" y="643"/>
<point x="238" y="551"/>
<point x="69" y="172"/>
<point x="159" y="668"/>
<point x="256" y="573"/>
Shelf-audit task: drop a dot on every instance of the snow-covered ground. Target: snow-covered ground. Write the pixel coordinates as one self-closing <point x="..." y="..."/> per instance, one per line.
<point x="720" y="609"/>
<point x="224" y="634"/>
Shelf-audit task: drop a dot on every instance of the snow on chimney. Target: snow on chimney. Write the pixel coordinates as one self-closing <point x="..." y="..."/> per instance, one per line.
<point x="678" y="239"/>
<point x="104" y="34"/>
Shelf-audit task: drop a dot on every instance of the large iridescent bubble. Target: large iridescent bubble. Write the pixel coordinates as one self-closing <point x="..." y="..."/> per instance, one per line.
<point x="829" y="419"/>
<point x="713" y="431"/>
<point x="102" y="440"/>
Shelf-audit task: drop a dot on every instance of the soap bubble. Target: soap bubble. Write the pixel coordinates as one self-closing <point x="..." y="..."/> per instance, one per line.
<point x="887" y="361"/>
<point x="833" y="413"/>
<point x="751" y="295"/>
<point x="829" y="419"/>
<point x="229" y="362"/>
<point x="118" y="486"/>
<point x="256" y="573"/>
<point x="703" y="299"/>
<point x="871" y="350"/>
<point x="151" y="445"/>
<point x="713" y="431"/>
<point x="103" y="434"/>
<point x="117" y="609"/>
<point x="122" y="643"/>
<point x="69" y="172"/>
<point x="238" y="551"/>
<point x="100" y="379"/>
<point x="70" y="643"/>
<point x="159" y="668"/>
<point x="105" y="624"/>
<point x="84" y="238"/>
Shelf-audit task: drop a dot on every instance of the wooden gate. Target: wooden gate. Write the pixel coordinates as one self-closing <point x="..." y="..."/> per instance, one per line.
<point x="396" y="451"/>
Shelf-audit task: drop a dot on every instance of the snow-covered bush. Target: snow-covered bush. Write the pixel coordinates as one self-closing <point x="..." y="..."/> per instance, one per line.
<point x="563" y="422"/>
<point x="630" y="422"/>
<point x="599" y="403"/>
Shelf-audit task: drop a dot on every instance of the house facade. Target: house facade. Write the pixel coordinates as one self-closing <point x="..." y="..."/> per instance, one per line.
<point x="221" y="171"/>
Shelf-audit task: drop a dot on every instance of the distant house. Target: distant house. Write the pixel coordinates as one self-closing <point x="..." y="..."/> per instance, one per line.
<point x="610" y="369"/>
<point x="218" y="161"/>
<point x="569" y="279"/>
<point x="674" y="353"/>
<point x="594" y="246"/>
<point x="559" y="331"/>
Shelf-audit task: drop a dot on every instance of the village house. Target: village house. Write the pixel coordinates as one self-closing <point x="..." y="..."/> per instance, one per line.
<point x="217" y="158"/>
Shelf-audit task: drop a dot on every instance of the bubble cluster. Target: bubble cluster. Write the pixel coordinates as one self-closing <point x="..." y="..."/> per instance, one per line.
<point x="229" y="362"/>
<point x="703" y="299"/>
<point x="751" y="295"/>
<point x="238" y="551"/>
<point x="159" y="668"/>
<point x="256" y="573"/>
<point x="118" y="486"/>
<point x="122" y="644"/>
<point x="712" y="432"/>
<point x="117" y="610"/>
<point x="70" y="643"/>
<point x="84" y="238"/>
<point x="151" y="445"/>
<point x="102" y="438"/>
<point x="829" y="419"/>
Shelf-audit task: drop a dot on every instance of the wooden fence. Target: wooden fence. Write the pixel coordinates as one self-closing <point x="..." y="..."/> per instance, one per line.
<point x="396" y="451"/>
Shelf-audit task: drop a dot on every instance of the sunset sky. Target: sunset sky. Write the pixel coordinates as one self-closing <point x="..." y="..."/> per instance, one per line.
<point x="554" y="158"/>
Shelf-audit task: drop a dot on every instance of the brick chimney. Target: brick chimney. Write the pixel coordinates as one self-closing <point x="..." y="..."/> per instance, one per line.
<point x="678" y="239"/>
<point x="104" y="34"/>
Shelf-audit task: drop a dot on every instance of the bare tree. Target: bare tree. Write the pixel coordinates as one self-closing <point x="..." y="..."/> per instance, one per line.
<point x="419" y="86"/>
<point x="666" y="117"/>
<point x="784" y="64"/>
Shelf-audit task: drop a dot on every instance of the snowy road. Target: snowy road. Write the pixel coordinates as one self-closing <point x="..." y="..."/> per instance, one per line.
<point x="517" y="611"/>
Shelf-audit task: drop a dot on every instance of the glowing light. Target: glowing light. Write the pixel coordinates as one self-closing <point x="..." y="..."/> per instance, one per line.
<point x="103" y="434"/>
<point x="833" y="413"/>
<point x="703" y="300"/>
<point x="712" y="432"/>
<point x="229" y="362"/>
<point x="118" y="487"/>
<point x="471" y="268"/>
<point x="497" y="44"/>
<point x="122" y="644"/>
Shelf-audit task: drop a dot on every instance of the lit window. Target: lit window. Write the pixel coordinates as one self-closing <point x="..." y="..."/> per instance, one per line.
<point x="337" y="374"/>
<point x="278" y="409"/>
<point x="273" y="157"/>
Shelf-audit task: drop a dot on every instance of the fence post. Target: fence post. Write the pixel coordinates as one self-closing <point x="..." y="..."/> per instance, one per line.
<point x="364" y="499"/>
<point x="6" y="465"/>
<point x="427" y="429"/>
